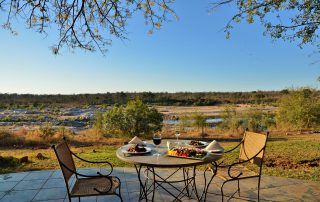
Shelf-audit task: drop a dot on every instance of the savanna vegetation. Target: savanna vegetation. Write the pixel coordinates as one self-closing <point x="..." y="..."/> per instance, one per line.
<point x="136" y="118"/>
<point x="296" y="110"/>
<point x="164" y="98"/>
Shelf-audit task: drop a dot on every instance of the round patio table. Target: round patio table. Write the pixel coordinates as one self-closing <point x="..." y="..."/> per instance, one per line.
<point x="151" y="161"/>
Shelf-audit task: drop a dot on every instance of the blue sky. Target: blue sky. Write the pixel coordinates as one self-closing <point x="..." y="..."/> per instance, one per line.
<point x="191" y="54"/>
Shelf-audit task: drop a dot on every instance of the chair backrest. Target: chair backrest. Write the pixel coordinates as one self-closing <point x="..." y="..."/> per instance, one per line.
<point x="65" y="159"/>
<point x="252" y="144"/>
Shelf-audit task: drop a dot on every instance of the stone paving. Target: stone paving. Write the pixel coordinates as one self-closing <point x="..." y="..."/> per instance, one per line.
<point x="49" y="186"/>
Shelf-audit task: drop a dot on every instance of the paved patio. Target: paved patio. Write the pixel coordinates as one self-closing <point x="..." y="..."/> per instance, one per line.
<point x="49" y="186"/>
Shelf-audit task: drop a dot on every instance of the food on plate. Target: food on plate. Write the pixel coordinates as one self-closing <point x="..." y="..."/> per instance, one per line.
<point x="136" y="148"/>
<point x="187" y="152"/>
<point x="196" y="143"/>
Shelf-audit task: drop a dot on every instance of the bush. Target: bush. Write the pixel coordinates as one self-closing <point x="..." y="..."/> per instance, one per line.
<point x="254" y="119"/>
<point x="199" y="120"/>
<point x="46" y="131"/>
<point x="257" y="120"/>
<point x="230" y="120"/>
<point x="134" y="119"/>
<point x="299" y="109"/>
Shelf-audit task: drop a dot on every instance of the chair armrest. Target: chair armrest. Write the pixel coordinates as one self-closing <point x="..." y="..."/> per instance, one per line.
<point x="242" y="162"/>
<point x="94" y="162"/>
<point x="230" y="150"/>
<point x="83" y="175"/>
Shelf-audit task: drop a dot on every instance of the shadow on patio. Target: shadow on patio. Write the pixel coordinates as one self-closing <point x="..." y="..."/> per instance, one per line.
<point x="49" y="186"/>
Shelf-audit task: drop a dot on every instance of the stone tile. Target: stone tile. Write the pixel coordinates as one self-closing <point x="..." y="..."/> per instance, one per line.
<point x="295" y="192"/>
<point x="13" y="176"/>
<point x="133" y="186"/>
<point x="29" y="184"/>
<point x="129" y="170"/>
<point x="132" y="176"/>
<point x="56" y="200"/>
<point x="54" y="183"/>
<point x="57" y="174"/>
<point x="134" y="196"/>
<point x="19" y="196"/>
<point x="118" y="170"/>
<point x="51" y="194"/>
<point x="7" y="186"/>
<point x="88" y="171"/>
<point x="83" y="199"/>
<point x="2" y="194"/>
<point x="108" y="198"/>
<point x="38" y="175"/>
<point x="272" y="181"/>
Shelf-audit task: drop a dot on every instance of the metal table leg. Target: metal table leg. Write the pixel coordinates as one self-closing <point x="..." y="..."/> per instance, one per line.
<point x="213" y="171"/>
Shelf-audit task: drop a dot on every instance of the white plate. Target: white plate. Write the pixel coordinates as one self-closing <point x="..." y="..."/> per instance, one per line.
<point x="124" y="149"/>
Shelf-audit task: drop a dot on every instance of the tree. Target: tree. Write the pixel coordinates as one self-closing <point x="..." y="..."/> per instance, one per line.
<point x="184" y="121"/>
<point x="114" y="120"/>
<point x="134" y="119"/>
<point x="98" y="122"/>
<point x="85" y="24"/>
<point x="199" y="121"/>
<point x="300" y="109"/>
<point x="286" y="19"/>
<point x="257" y="120"/>
<point x="230" y="119"/>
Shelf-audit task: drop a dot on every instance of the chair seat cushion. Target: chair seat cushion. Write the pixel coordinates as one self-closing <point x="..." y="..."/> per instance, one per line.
<point x="85" y="186"/>
<point x="234" y="172"/>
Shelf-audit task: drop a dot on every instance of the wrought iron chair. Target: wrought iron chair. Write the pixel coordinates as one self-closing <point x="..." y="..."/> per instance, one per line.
<point x="252" y="149"/>
<point x="84" y="185"/>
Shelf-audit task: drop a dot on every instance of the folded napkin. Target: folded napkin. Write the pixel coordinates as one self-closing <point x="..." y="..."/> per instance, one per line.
<point x="214" y="146"/>
<point x="136" y="140"/>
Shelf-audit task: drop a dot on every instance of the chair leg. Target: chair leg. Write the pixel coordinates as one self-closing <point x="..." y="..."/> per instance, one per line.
<point x="259" y="188"/>
<point x="239" y="187"/>
<point x="79" y="199"/>
<point x="119" y="195"/>
<point x="221" y="189"/>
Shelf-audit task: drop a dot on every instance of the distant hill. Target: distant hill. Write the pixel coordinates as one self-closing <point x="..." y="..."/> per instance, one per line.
<point x="162" y="98"/>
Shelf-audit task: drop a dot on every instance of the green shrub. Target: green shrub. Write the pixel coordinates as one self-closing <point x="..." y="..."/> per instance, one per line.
<point x="299" y="109"/>
<point x="136" y="118"/>
<point x="230" y="120"/>
<point x="254" y="119"/>
<point x="47" y="131"/>
<point x="199" y="121"/>
<point x="9" y="161"/>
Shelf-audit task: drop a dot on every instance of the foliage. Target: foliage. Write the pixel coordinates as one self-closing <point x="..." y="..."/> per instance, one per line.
<point x="199" y="121"/>
<point x="285" y="19"/>
<point x="14" y="101"/>
<point x="98" y="122"/>
<point x="300" y="109"/>
<point x="230" y="119"/>
<point x="9" y="162"/>
<point x="257" y="120"/>
<point x="254" y="119"/>
<point x="184" y="121"/>
<point x="47" y="131"/>
<point x="136" y="118"/>
<point x="86" y="24"/>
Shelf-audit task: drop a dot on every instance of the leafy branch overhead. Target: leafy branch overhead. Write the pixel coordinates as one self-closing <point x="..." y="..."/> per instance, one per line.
<point x="287" y="19"/>
<point x="85" y="24"/>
